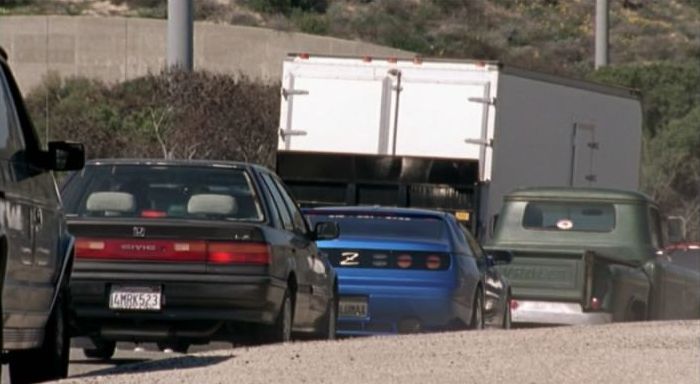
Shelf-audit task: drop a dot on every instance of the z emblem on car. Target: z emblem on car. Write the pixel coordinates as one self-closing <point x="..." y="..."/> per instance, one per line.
<point x="349" y="258"/>
<point x="139" y="232"/>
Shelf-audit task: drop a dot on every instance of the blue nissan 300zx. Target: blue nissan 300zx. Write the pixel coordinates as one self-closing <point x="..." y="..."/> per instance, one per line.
<point x="406" y="270"/>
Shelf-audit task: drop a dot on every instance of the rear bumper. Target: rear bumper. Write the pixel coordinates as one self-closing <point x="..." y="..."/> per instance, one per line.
<point x="193" y="306"/>
<point x="399" y="310"/>
<point x="555" y="313"/>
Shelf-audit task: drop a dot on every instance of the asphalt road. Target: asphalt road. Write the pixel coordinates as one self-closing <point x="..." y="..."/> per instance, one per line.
<point x="126" y="354"/>
<point x="640" y="353"/>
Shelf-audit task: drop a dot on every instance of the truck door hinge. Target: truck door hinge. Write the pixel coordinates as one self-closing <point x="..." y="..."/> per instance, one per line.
<point x="483" y="100"/>
<point x="593" y="145"/>
<point x="591" y="178"/>
<point x="293" y="92"/>
<point x="284" y="133"/>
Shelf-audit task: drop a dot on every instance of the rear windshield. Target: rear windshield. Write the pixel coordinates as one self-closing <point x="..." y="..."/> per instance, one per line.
<point x="379" y="226"/>
<point x="173" y="192"/>
<point x="564" y="216"/>
<point x="686" y="258"/>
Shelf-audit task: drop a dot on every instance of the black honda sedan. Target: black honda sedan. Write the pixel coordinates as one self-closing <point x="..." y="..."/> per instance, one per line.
<point x="183" y="252"/>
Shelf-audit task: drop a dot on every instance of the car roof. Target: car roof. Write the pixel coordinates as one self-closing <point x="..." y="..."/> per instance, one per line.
<point x="571" y="193"/>
<point x="177" y="163"/>
<point x="375" y="210"/>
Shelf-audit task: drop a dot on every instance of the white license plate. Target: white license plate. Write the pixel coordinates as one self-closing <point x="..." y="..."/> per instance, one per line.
<point x="352" y="307"/>
<point x="135" y="298"/>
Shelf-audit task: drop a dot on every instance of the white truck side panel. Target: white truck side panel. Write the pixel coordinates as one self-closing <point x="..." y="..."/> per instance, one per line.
<point x="534" y="139"/>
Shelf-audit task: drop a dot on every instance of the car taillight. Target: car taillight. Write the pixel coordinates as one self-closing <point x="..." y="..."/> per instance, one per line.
<point x="153" y="214"/>
<point x="514" y="305"/>
<point x="140" y="250"/>
<point x="238" y="253"/>
<point x="404" y="261"/>
<point x="433" y="262"/>
<point x="87" y="248"/>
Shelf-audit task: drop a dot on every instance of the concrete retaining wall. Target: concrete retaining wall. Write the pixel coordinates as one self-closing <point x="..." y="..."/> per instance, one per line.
<point x="115" y="49"/>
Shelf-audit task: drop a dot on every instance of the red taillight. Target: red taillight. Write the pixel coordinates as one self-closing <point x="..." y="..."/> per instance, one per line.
<point x="595" y="303"/>
<point x="238" y="253"/>
<point x="86" y="248"/>
<point x="153" y="214"/>
<point x="433" y="262"/>
<point x="514" y="305"/>
<point x="173" y="251"/>
<point x="140" y="250"/>
<point x="404" y="261"/>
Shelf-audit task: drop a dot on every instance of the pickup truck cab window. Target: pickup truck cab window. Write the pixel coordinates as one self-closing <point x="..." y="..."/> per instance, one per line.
<point x="569" y="216"/>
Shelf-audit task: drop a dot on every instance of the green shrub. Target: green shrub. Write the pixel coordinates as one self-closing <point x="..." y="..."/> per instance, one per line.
<point x="170" y="115"/>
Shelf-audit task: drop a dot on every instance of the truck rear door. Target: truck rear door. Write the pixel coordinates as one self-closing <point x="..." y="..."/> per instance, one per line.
<point x="328" y="108"/>
<point x="456" y="109"/>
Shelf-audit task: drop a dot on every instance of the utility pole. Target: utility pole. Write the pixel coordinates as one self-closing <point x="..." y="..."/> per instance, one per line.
<point x="602" y="27"/>
<point x="180" y="34"/>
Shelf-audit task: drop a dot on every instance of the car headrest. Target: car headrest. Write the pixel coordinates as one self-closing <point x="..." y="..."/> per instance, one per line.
<point x="111" y="201"/>
<point x="211" y="204"/>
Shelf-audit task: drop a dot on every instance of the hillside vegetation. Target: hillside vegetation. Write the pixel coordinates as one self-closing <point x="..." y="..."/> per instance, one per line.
<point x="655" y="47"/>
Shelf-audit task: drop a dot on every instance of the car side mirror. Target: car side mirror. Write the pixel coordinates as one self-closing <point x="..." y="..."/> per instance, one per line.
<point x="675" y="228"/>
<point x="501" y="257"/>
<point x="65" y="156"/>
<point x="326" y="231"/>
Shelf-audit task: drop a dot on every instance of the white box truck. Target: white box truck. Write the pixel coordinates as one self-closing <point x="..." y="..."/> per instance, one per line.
<point x="450" y="135"/>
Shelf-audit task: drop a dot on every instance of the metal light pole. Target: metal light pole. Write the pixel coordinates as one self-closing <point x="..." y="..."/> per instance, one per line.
<point x="602" y="27"/>
<point x="180" y="34"/>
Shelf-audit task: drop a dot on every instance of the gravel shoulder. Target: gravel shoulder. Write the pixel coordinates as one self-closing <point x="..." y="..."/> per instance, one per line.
<point x="655" y="352"/>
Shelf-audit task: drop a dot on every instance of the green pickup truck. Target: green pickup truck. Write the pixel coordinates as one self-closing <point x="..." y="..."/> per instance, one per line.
<point x="590" y="256"/>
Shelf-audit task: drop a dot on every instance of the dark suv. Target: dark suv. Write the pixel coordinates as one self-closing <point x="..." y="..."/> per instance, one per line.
<point x="35" y="247"/>
<point x="183" y="252"/>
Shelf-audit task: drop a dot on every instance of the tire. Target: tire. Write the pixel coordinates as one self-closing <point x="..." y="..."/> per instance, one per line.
<point x="507" y="315"/>
<point x="103" y="350"/>
<point x="50" y="361"/>
<point x="329" y="322"/>
<point x="477" y="320"/>
<point x="281" y="330"/>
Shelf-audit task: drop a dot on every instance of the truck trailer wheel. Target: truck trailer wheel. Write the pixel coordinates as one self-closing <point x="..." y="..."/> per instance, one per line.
<point x="50" y="361"/>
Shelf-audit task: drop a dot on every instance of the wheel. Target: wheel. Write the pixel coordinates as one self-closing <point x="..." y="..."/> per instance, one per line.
<point x="50" y="361"/>
<point x="103" y="350"/>
<point x="281" y="330"/>
<point x="507" y="315"/>
<point x="477" y="320"/>
<point x="329" y="322"/>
